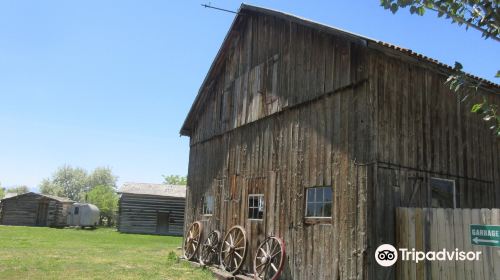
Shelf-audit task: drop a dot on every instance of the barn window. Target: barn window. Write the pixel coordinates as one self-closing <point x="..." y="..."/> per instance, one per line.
<point x="443" y="194"/>
<point x="319" y="202"/>
<point x="208" y="205"/>
<point x="76" y="210"/>
<point x="255" y="206"/>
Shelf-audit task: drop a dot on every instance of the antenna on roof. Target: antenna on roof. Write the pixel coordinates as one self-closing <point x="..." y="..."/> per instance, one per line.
<point x="209" y="5"/>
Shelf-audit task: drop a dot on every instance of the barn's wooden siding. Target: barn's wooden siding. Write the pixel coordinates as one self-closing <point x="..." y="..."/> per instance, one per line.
<point x="289" y="106"/>
<point x="280" y="119"/>
<point x="273" y="65"/>
<point x="138" y="213"/>
<point x="423" y="131"/>
<point x="23" y="211"/>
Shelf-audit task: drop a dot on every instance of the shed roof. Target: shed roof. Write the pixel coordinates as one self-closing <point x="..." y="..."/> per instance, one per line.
<point x="154" y="189"/>
<point x="370" y="43"/>
<point x="88" y="205"/>
<point x="53" y="197"/>
<point x="9" y="194"/>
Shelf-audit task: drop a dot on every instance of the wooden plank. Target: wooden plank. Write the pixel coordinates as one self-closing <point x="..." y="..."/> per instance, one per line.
<point x="412" y="273"/>
<point x="487" y="256"/>
<point x="400" y="240"/>
<point x="467" y="246"/>
<point x="478" y="266"/>
<point x="459" y="242"/>
<point x="495" y="220"/>
<point x="434" y="244"/>
<point x="405" y="236"/>
<point x="362" y="226"/>
<point x="419" y="242"/>
<point x="336" y="105"/>
<point x="449" y="241"/>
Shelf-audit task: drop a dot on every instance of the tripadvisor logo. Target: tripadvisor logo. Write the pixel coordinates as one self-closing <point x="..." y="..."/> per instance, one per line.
<point x="387" y="255"/>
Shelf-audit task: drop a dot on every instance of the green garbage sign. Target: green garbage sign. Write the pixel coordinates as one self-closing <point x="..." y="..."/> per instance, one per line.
<point x="485" y="235"/>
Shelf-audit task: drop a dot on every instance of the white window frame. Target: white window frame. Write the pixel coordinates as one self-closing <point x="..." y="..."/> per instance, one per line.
<point x="259" y="196"/>
<point x="454" y="189"/>
<point x="203" y="205"/>
<point x="307" y="202"/>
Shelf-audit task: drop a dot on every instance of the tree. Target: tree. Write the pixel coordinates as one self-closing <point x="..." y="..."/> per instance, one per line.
<point x="102" y="176"/>
<point x="46" y="187"/>
<point x="75" y="183"/>
<point x="481" y="15"/>
<point x="18" y="190"/>
<point x="2" y="191"/>
<point x="174" y="180"/>
<point x="72" y="182"/>
<point x="106" y="199"/>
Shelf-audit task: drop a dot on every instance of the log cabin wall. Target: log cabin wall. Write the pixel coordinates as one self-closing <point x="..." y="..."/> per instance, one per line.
<point x="22" y="210"/>
<point x="288" y="109"/>
<point x="423" y="131"/>
<point x="56" y="216"/>
<point x="138" y="213"/>
<point x="53" y="207"/>
<point x="61" y="213"/>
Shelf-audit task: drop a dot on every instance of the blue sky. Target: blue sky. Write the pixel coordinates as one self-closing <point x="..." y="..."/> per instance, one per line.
<point x="109" y="83"/>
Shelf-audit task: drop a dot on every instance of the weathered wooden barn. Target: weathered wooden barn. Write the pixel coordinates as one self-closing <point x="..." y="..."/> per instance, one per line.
<point x="151" y="208"/>
<point x="334" y="131"/>
<point x="33" y="209"/>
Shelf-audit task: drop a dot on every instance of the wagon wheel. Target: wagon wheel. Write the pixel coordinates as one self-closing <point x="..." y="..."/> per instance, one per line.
<point x="210" y="248"/>
<point x="233" y="250"/>
<point x="192" y="240"/>
<point x="269" y="259"/>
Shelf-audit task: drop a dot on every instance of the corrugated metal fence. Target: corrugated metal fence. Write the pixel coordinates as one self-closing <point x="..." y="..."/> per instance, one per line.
<point x="434" y="229"/>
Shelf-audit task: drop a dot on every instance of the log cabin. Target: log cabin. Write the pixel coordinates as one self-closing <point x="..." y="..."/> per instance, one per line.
<point x="151" y="209"/>
<point x="330" y="132"/>
<point x="33" y="209"/>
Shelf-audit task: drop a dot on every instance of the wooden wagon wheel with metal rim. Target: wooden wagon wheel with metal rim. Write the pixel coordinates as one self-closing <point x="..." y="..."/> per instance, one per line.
<point x="192" y="240"/>
<point x="233" y="249"/>
<point x="210" y="248"/>
<point x="269" y="259"/>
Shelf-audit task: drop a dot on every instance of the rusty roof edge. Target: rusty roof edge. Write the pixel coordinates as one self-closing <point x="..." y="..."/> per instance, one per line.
<point x="186" y="130"/>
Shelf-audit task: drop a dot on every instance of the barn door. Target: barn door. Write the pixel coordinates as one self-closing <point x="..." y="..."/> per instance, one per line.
<point x="254" y="196"/>
<point x="162" y="223"/>
<point x="41" y="217"/>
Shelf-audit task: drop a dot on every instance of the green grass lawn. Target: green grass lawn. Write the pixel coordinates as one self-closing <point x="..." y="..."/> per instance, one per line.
<point x="48" y="253"/>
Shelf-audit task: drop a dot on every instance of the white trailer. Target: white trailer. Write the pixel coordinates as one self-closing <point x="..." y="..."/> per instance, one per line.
<point x="83" y="215"/>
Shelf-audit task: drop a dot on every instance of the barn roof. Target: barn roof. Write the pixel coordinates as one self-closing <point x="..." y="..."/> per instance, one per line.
<point x="53" y="197"/>
<point x="154" y="189"/>
<point x="370" y="43"/>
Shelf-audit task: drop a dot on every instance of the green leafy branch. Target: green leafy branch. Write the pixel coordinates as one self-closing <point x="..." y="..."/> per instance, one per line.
<point x="465" y="87"/>
<point x="481" y="15"/>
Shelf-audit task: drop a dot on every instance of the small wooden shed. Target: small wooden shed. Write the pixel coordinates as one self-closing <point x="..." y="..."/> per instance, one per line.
<point x="33" y="209"/>
<point x="151" y="208"/>
<point x="317" y="135"/>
